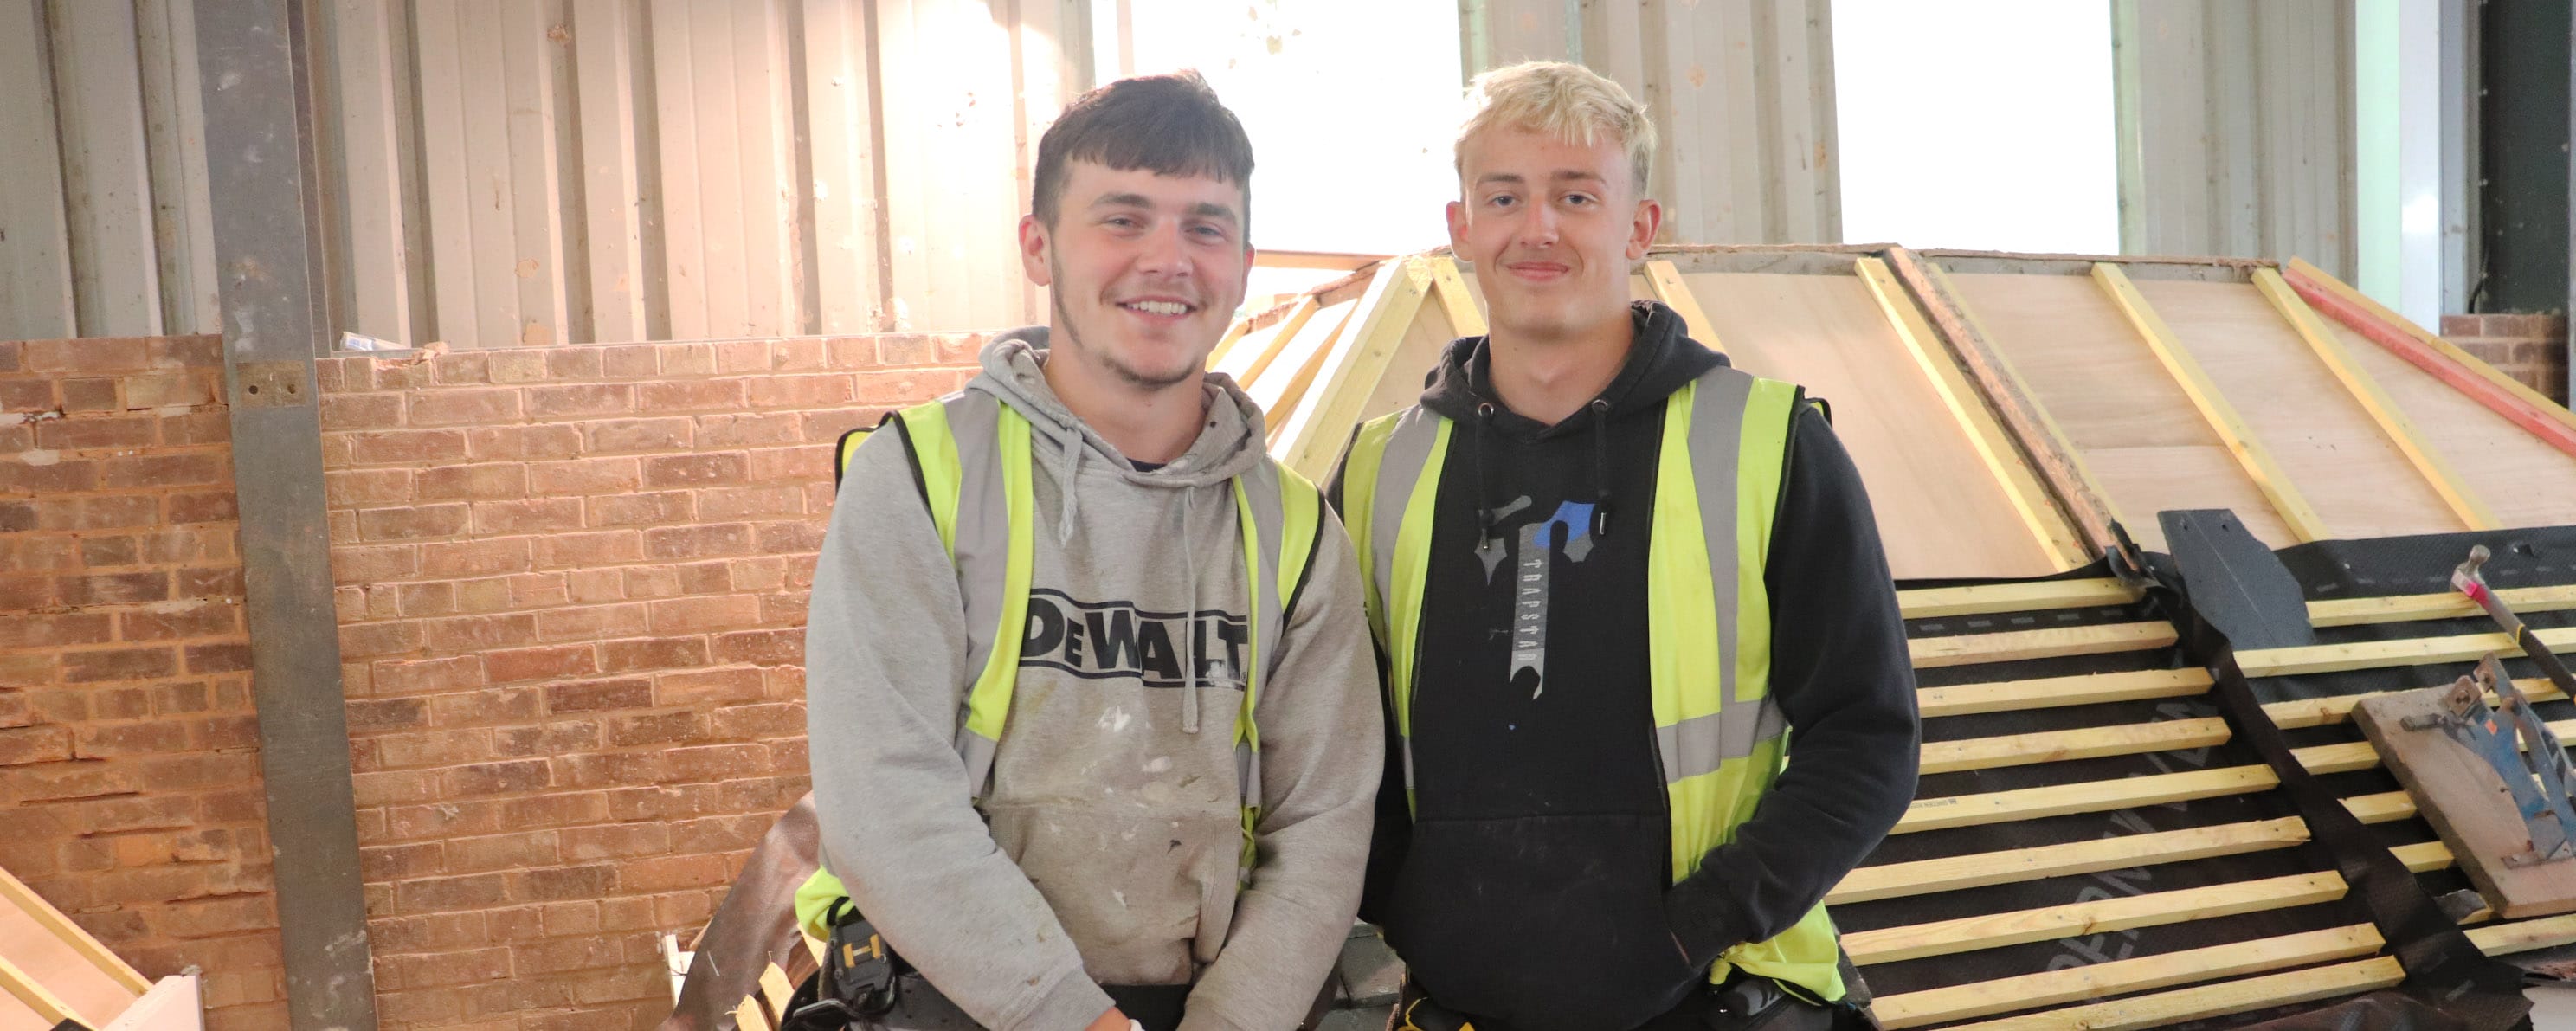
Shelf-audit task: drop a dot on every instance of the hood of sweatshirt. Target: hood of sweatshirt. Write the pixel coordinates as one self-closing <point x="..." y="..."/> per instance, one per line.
<point x="1230" y="443"/>
<point x="1660" y="359"/>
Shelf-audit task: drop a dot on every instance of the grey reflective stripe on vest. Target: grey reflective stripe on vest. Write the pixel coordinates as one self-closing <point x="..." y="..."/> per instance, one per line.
<point x="1699" y="745"/>
<point x="1399" y="473"/>
<point x="982" y="555"/>
<point x="1261" y="491"/>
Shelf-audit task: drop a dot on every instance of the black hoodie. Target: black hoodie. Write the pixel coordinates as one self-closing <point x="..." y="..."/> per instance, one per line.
<point x="1529" y="887"/>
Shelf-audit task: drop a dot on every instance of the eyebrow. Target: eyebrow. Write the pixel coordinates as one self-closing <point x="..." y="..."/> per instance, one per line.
<point x="1202" y="209"/>
<point x="1560" y="175"/>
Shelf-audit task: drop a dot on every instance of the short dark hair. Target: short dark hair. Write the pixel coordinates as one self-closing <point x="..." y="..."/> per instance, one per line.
<point x="1165" y="124"/>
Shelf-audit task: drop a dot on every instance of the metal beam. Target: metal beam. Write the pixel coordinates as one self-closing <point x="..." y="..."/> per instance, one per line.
<point x="268" y="270"/>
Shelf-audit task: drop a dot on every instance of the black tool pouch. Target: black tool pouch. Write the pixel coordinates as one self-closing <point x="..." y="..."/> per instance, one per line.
<point x="861" y="980"/>
<point x="1748" y="1003"/>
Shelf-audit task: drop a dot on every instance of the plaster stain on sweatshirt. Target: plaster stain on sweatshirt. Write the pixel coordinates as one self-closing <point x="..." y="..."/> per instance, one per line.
<point x="1115" y="720"/>
<point x="1158" y="764"/>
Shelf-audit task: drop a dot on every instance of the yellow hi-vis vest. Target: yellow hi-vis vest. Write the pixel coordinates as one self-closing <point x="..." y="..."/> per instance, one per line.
<point x="1718" y="731"/>
<point x="972" y="454"/>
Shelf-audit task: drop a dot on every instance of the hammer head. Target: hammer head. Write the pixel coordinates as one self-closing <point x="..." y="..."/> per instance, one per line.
<point x="2467" y="572"/>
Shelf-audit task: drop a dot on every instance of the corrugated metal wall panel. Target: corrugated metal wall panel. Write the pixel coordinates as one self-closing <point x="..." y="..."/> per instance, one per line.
<point x="1742" y="91"/>
<point x="2236" y="129"/>
<point x="501" y="172"/>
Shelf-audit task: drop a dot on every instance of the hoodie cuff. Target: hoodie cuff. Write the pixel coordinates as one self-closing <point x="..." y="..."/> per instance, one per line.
<point x="1071" y="1002"/>
<point x="1701" y="919"/>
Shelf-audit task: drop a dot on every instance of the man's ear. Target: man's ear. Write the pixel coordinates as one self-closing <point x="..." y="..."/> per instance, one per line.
<point x="1457" y="212"/>
<point x="1641" y="230"/>
<point x="1033" y="251"/>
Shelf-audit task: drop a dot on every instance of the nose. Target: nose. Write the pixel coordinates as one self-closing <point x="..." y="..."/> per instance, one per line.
<point x="1538" y="225"/>
<point x="1161" y="252"/>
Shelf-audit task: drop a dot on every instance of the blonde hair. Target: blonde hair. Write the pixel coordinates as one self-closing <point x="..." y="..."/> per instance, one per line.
<point x="1568" y="101"/>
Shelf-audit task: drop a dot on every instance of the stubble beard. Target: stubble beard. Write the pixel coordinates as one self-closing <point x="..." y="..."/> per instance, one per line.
<point x="1118" y="367"/>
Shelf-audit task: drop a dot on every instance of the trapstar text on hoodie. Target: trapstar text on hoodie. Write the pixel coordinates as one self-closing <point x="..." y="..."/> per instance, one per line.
<point x="1115" y="639"/>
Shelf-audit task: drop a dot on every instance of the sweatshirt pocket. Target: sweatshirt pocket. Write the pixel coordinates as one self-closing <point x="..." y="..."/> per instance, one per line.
<point x="1550" y="923"/>
<point x="1133" y="889"/>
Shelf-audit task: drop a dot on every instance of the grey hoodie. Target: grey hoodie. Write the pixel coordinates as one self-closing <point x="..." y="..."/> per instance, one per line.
<point x="1111" y="855"/>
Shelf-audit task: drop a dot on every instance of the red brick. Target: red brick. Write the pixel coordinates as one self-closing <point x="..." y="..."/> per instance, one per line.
<point x="645" y="435"/>
<point x="720" y="395"/>
<point x="407" y="446"/>
<point x="475" y="558"/>
<point x="479" y="481"/>
<point x="364" y="640"/>
<point x="695" y="470"/>
<point x="93" y="354"/>
<point x="213" y="507"/>
<point x="387" y="714"/>
<point x="36" y="395"/>
<point x="21" y="670"/>
<point x="352" y="488"/>
<point x="477" y="966"/>
<point x="202" y="619"/>
<point x="584" y="476"/>
<point x="589" y="550"/>
<point x="94" y="433"/>
<point x="413" y="522"/>
<point x="343" y="412"/>
<point x="153" y="738"/>
<point x="183" y="470"/>
<point x="757" y="722"/>
<point x="502" y="778"/>
<point x="562" y="883"/>
<point x="560" y="738"/>
<point x="650" y="654"/>
<point x="108" y="512"/>
<point x="87" y="667"/>
<point x="462" y="407"/>
<point x="693" y="542"/>
<point x="10" y="360"/>
<point x="565" y="363"/>
<point x="429" y="599"/>
<point x="31" y="592"/>
<point x="61" y="477"/>
<point x="789" y="607"/>
<point x="542" y="515"/>
<point x="808" y="464"/>
<point x="591" y="622"/>
<point x="161" y="390"/>
<point x="599" y="695"/>
<point x="904" y="387"/>
<point x="790" y="538"/>
<point x="504" y="667"/>
<point x="640" y="509"/>
<point x="762" y="429"/>
<point x="55" y="630"/>
<point x="616" y="841"/>
<point x="815" y="391"/>
<point x="354" y="565"/>
<point x="457" y="634"/>
<point x="115" y="588"/>
<point x="428" y="676"/>
<point x="720" y="833"/>
<point x="523" y="443"/>
<point x="896" y="349"/>
<point x="735" y="503"/>
<point x="656" y="728"/>
<point x="798" y="355"/>
<point x="487" y="707"/>
<point x="35" y="745"/>
<point x="515" y="366"/>
<point x="503" y="852"/>
<point x="193" y="428"/>
<point x="582" y="399"/>
<point x="692" y="615"/>
<point x="671" y="873"/>
<point x="591" y="586"/>
<point x="720" y="686"/>
<point x="218" y="658"/>
<point x="18" y="517"/>
<point x="828" y="427"/>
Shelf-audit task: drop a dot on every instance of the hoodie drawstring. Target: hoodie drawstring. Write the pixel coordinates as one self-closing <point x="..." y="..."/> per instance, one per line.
<point x="1189" y="618"/>
<point x="1600" y="468"/>
<point x="1073" y="450"/>
<point x="1485" y="513"/>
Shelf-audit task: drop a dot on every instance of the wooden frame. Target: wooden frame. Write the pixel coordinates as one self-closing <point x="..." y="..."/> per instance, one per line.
<point x="2462" y="371"/>
<point x="1458" y="302"/>
<point x="2044" y="643"/>
<point x="2383" y="410"/>
<point x="2189" y="966"/>
<point x="2318" y="712"/>
<point x="2093" y="855"/>
<point x="1312" y="437"/>
<point x="1929" y="814"/>
<point x="2038" y="596"/>
<point x="2446" y="605"/>
<point x="2041" y="438"/>
<point x="2421" y="651"/>
<point x="1666" y="282"/>
<point x="2044" y="923"/>
<point x="2054" y="692"/>
<point x="2257" y="461"/>
<point x="2200" y="1002"/>
<point x="2038" y="510"/>
<point x="1986" y="753"/>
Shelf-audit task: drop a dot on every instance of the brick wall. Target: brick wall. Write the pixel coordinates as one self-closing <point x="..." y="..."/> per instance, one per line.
<point x="2530" y="348"/>
<point x="572" y="592"/>
<point x="129" y="768"/>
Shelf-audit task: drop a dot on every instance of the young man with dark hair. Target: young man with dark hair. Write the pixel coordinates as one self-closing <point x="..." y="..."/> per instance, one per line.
<point x="1650" y="692"/>
<point x="1093" y="717"/>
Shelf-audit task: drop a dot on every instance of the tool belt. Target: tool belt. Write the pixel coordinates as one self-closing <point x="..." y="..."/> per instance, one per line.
<point x="860" y="982"/>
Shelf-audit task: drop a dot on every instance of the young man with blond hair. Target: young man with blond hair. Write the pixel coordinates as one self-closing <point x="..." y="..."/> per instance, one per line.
<point x="1613" y="579"/>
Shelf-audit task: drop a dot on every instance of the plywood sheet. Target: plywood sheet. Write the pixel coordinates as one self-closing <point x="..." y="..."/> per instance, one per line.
<point x="2351" y="473"/>
<point x="1283" y="383"/>
<point x="53" y="963"/>
<point x="2466" y="802"/>
<point x="1414" y="359"/>
<point x="2524" y="481"/>
<point x="1941" y="512"/>
<point x="2124" y="416"/>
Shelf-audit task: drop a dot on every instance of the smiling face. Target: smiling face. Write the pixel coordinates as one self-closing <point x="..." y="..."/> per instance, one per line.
<point x="1145" y="270"/>
<point x="1553" y="228"/>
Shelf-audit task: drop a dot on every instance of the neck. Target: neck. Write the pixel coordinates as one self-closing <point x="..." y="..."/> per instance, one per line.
<point x="1546" y="378"/>
<point x="1146" y="424"/>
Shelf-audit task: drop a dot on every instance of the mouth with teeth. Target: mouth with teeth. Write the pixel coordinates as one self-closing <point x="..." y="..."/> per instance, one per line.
<point x="1165" y="309"/>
